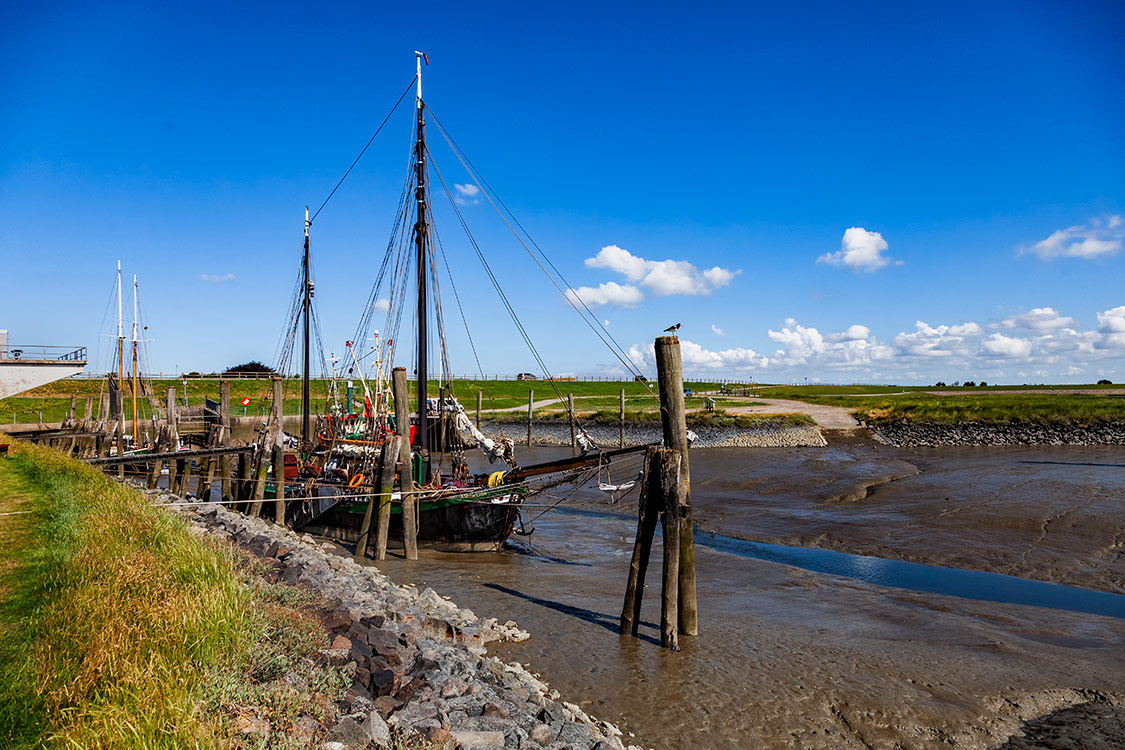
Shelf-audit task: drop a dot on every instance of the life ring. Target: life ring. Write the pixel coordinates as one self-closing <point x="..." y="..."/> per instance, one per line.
<point x="356" y="480"/>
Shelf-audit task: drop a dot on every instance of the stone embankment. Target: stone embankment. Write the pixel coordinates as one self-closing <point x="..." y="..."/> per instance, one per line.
<point x="908" y="434"/>
<point x="775" y="435"/>
<point x="418" y="664"/>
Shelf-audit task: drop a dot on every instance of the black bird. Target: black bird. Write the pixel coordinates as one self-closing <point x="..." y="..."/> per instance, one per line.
<point x="673" y="329"/>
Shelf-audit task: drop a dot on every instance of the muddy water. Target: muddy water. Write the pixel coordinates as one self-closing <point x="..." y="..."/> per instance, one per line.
<point x="792" y="658"/>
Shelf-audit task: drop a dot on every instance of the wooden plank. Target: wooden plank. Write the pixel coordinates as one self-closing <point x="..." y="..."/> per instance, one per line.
<point x="667" y="479"/>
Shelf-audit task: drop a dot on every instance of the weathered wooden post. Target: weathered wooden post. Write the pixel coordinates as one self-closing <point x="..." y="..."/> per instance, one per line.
<point x="89" y="407"/>
<point x="673" y="420"/>
<point x="120" y="436"/>
<point x="154" y="470"/>
<point x="621" y="440"/>
<point x="480" y="397"/>
<point x="406" y="479"/>
<point x="380" y="498"/>
<point x="647" y="514"/>
<point x="224" y="420"/>
<point x="245" y="467"/>
<point x="279" y="485"/>
<point x="259" y="480"/>
<point x="278" y="433"/>
<point x="173" y="429"/>
<point x="570" y="410"/>
<point x="530" y="409"/>
<point x="71" y="412"/>
<point x="667" y="478"/>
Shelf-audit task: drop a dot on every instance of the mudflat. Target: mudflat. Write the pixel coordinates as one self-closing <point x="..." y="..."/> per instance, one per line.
<point x="788" y="658"/>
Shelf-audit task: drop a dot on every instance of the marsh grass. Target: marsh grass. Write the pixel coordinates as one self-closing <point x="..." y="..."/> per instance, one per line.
<point x="119" y="628"/>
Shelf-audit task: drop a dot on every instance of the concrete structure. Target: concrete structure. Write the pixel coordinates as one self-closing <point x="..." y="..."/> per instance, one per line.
<point x="25" y="367"/>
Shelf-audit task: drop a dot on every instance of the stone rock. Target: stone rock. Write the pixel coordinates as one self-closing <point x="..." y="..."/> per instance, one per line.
<point x="338" y="621"/>
<point x="304" y="730"/>
<point x="294" y="680"/>
<point x="453" y="687"/>
<point x="471" y="740"/>
<point x="441" y="739"/>
<point x="541" y="734"/>
<point x="377" y="729"/>
<point x="386" y="705"/>
<point x="340" y="642"/>
<point x="384" y="682"/>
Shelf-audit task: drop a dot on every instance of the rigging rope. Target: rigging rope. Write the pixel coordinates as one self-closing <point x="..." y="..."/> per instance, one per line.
<point x="361" y="153"/>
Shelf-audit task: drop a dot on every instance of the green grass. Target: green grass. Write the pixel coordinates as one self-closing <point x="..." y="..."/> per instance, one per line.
<point x="984" y="407"/>
<point x="120" y="629"/>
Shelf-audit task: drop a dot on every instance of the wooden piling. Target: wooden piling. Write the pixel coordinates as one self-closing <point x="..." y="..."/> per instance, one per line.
<point x="570" y="410"/>
<point x="72" y="412"/>
<point x="224" y="420"/>
<point x="621" y="440"/>
<point x="279" y="485"/>
<point x="480" y="397"/>
<point x="667" y="478"/>
<point x="243" y="485"/>
<point x="647" y="515"/>
<point x="674" y="423"/>
<point x="120" y="431"/>
<point x="259" y="494"/>
<point x="380" y="498"/>
<point x="530" y="410"/>
<point x="278" y="412"/>
<point x="89" y="407"/>
<point x="406" y="486"/>
<point x="154" y="470"/>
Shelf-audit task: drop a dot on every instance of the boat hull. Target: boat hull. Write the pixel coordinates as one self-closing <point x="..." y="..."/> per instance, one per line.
<point x="448" y="524"/>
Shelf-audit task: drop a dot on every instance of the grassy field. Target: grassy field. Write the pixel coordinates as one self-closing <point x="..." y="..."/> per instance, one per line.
<point x="873" y="403"/>
<point x="120" y="629"/>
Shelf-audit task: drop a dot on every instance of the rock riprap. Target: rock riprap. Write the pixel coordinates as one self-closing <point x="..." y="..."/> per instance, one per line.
<point x="418" y="663"/>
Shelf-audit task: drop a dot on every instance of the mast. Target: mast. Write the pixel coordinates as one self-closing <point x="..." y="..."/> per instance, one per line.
<point x="422" y="437"/>
<point x="135" y="361"/>
<point x="305" y="372"/>
<point x="120" y="349"/>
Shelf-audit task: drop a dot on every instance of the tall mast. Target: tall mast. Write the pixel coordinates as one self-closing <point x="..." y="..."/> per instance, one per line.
<point x="422" y="438"/>
<point x="305" y="372"/>
<point x="135" y="445"/>
<point x="120" y="345"/>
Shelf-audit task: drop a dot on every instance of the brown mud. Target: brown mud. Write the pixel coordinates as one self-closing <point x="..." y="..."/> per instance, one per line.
<point x="789" y="658"/>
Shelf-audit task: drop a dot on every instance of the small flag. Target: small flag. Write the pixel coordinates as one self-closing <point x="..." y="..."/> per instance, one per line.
<point x="425" y="58"/>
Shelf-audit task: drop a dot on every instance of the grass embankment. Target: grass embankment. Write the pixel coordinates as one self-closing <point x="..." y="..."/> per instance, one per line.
<point x="918" y="406"/>
<point x="51" y="402"/>
<point x="119" y="628"/>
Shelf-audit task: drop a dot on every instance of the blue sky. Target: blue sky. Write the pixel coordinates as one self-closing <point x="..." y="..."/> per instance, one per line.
<point x="844" y="192"/>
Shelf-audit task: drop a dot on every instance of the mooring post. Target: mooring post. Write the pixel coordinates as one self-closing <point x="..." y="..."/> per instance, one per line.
<point x="120" y="437"/>
<point x="242" y="487"/>
<point x="279" y="485"/>
<point x="480" y="397"/>
<point x="224" y="420"/>
<point x="259" y="481"/>
<point x="673" y="420"/>
<point x="70" y="414"/>
<point x="669" y="465"/>
<point x="89" y="407"/>
<point x="278" y="411"/>
<point x="154" y="470"/>
<point x="530" y="409"/>
<point x="621" y="440"/>
<point x="647" y="515"/>
<point x="570" y="410"/>
<point x="173" y="431"/>
<point x="380" y="498"/>
<point x="406" y="477"/>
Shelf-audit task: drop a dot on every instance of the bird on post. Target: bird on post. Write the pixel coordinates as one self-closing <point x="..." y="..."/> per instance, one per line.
<point x="673" y="329"/>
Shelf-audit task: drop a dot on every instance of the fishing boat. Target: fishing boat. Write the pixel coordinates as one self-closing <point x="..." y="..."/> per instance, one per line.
<point x="333" y="483"/>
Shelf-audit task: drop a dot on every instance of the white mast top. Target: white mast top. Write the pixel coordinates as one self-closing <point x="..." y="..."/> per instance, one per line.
<point x="134" y="308"/>
<point x="306" y="221"/>
<point x="418" y="59"/>
<point x="120" y="329"/>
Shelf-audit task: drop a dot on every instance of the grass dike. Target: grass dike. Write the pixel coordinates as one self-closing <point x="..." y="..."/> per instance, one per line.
<point x="124" y="624"/>
<point x="120" y="628"/>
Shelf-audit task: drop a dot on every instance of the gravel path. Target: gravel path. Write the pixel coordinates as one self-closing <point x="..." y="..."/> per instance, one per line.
<point x="828" y="417"/>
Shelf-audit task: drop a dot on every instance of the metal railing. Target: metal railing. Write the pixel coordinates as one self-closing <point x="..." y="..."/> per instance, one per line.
<point x="43" y="353"/>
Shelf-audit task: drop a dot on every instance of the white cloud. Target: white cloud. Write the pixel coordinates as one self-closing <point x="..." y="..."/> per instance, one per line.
<point x="609" y="293"/>
<point x="1039" y="319"/>
<point x="999" y="345"/>
<point x="605" y="323"/>
<point x="940" y="341"/>
<point x="860" y="250"/>
<point x="382" y="305"/>
<point x="717" y="331"/>
<point x="1111" y="329"/>
<point x="467" y="195"/>
<point x="662" y="277"/>
<point x="1103" y="236"/>
<point x="216" y="278"/>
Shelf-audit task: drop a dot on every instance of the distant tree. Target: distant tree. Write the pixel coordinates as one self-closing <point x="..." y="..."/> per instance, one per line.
<point x="956" y="383"/>
<point x="983" y="383"/>
<point x="940" y="384"/>
<point x="970" y="384"/>
<point x="253" y="366"/>
<point x="1103" y="381"/>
